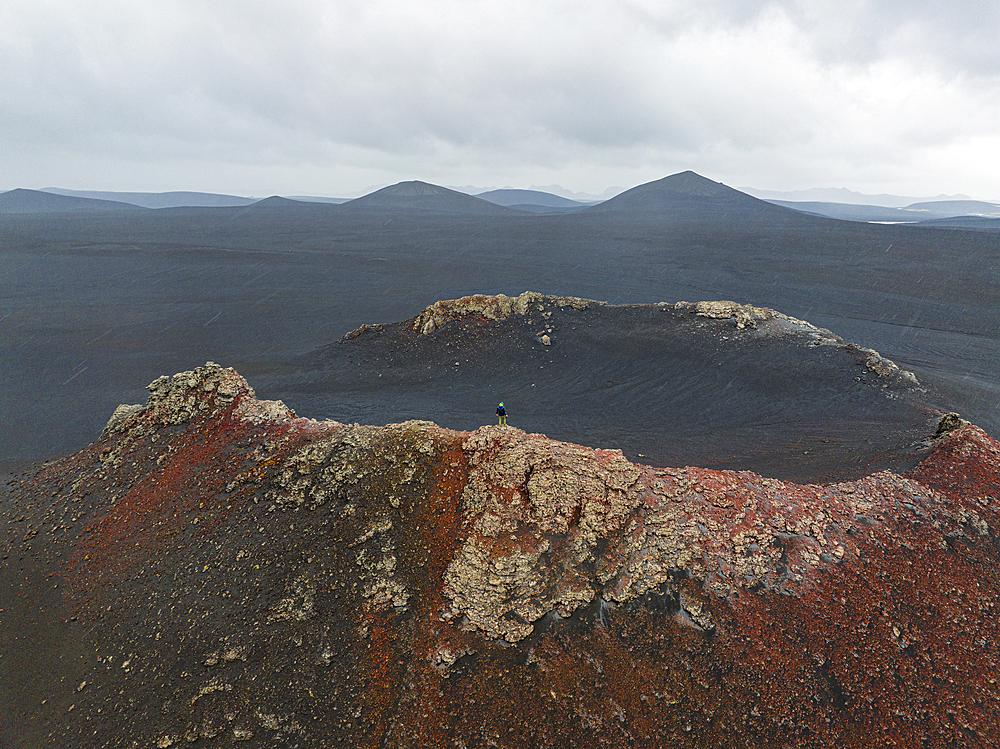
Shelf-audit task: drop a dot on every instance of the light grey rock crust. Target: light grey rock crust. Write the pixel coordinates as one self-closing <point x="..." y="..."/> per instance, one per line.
<point x="499" y="307"/>
<point x="553" y="526"/>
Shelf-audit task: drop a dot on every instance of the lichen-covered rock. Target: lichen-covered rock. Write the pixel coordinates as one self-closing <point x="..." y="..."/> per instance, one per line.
<point x="174" y="400"/>
<point x="546" y="505"/>
<point x="120" y="416"/>
<point x="748" y="316"/>
<point x="949" y="423"/>
<point x="745" y="315"/>
<point x="498" y="307"/>
<point x="554" y="525"/>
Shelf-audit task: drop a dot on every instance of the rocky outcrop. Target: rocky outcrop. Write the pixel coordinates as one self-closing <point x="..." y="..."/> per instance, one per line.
<point x="745" y="315"/>
<point x="499" y="307"/>
<point x="575" y="524"/>
<point x="229" y="571"/>
<point x="209" y="389"/>
<point x="748" y="316"/>
<point x="203" y="391"/>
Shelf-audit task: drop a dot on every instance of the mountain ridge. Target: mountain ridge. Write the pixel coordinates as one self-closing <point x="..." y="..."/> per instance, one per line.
<point x="169" y="199"/>
<point x="845" y="196"/>
<point x="23" y="201"/>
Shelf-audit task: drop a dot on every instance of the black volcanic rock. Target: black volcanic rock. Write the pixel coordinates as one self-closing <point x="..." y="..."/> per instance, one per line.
<point x="688" y="195"/>
<point x="36" y="201"/>
<point x="423" y="196"/>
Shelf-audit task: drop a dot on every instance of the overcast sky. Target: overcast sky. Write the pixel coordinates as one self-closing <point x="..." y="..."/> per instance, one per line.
<point x="330" y="97"/>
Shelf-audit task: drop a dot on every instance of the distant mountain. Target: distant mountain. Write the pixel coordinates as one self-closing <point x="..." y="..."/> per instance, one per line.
<point x="580" y="197"/>
<point x="276" y="201"/>
<point x="688" y="195"/>
<point x="277" y="206"/>
<point x="557" y="190"/>
<point x="843" y="195"/>
<point x="975" y="223"/>
<point x="511" y="198"/>
<point x="848" y="211"/>
<point x="423" y="196"/>
<point x="532" y="208"/>
<point x="159" y="199"/>
<point x="926" y="211"/>
<point x="36" y="201"/>
<point x="317" y="199"/>
<point x="958" y="208"/>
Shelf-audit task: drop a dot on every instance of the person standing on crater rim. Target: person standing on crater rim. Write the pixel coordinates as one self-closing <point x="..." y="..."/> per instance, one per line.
<point x="501" y="416"/>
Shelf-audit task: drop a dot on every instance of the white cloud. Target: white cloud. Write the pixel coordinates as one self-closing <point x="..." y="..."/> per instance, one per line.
<point x="318" y="96"/>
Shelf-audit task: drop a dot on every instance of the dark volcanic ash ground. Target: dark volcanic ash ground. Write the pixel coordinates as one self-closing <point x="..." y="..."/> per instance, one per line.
<point x="217" y="571"/>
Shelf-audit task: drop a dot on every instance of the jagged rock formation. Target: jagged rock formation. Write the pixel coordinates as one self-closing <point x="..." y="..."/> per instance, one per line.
<point x="498" y="307"/>
<point x="215" y="569"/>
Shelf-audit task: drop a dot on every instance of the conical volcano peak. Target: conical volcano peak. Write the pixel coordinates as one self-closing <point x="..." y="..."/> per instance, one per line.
<point x="683" y="184"/>
<point x="688" y="195"/>
<point x="689" y="183"/>
<point x="413" y="188"/>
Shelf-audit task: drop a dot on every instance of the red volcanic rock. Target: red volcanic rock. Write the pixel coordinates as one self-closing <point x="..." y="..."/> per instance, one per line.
<point x="228" y="571"/>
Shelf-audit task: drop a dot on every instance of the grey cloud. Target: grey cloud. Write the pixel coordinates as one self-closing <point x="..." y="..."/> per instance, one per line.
<point x="959" y="36"/>
<point x="516" y="88"/>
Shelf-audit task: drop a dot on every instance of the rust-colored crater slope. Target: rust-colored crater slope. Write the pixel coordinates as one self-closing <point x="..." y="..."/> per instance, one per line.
<point x="217" y="571"/>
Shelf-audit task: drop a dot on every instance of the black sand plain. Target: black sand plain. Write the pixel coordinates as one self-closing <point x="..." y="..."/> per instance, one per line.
<point x="95" y="305"/>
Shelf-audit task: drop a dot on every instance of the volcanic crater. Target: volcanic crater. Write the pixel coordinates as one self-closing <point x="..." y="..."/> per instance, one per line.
<point x="714" y="384"/>
<point x="216" y="570"/>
